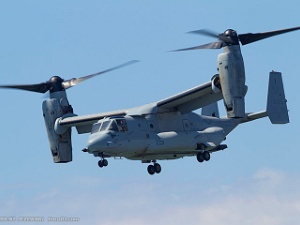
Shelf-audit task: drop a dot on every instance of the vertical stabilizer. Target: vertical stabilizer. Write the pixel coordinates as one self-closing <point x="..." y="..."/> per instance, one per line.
<point x="211" y="110"/>
<point x="276" y="103"/>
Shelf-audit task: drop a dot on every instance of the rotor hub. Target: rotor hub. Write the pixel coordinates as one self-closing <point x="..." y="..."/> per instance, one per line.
<point x="232" y="37"/>
<point x="230" y="32"/>
<point x="56" y="79"/>
<point x="56" y="84"/>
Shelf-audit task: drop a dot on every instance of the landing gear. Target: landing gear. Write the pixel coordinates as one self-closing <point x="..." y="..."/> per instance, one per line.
<point x="151" y="169"/>
<point x="200" y="157"/>
<point x="102" y="163"/>
<point x="155" y="168"/>
<point x="206" y="155"/>
<point x="203" y="156"/>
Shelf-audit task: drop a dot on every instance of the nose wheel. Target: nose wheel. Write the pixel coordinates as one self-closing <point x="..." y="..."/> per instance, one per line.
<point x="102" y="163"/>
<point x="155" y="168"/>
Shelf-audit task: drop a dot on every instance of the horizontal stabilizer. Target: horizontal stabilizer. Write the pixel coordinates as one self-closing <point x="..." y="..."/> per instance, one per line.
<point x="276" y="103"/>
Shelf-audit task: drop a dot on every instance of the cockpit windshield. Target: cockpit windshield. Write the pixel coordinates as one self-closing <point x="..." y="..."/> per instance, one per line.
<point x="104" y="125"/>
<point x="95" y="128"/>
<point x="117" y="125"/>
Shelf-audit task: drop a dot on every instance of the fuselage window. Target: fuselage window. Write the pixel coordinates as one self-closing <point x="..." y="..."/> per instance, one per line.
<point x="122" y="125"/>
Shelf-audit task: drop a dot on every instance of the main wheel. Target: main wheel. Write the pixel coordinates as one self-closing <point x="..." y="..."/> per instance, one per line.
<point x="100" y="163"/>
<point x="157" y="168"/>
<point x="206" y="155"/>
<point x="104" y="162"/>
<point x="151" y="169"/>
<point x="200" y="157"/>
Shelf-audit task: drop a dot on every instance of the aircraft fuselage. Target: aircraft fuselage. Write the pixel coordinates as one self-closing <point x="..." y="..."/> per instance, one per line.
<point x="158" y="136"/>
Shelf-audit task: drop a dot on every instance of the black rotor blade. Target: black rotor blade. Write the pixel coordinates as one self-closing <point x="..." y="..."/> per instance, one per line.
<point x="250" y="37"/>
<point x="72" y="82"/>
<point x="209" y="33"/>
<point x="205" y="32"/>
<point x="213" y="45"/>
<point x="39" y="88"/>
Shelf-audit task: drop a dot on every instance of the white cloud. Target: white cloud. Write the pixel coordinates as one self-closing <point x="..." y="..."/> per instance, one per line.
<point x="269" y="197"/>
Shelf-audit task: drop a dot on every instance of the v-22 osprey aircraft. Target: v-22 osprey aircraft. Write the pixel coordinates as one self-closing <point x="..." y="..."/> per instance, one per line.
<point x="166" y="129"/>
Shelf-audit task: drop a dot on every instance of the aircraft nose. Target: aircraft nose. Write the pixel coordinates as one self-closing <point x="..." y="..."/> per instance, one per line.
<point x="99" y="142"/>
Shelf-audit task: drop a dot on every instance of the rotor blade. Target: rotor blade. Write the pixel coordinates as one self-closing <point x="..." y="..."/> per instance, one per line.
<point x="72" y="82"/>
<point x="209" y="33"/>
<point x="205" y="32"/>
<point x="213" y="45"/>
<point x="250" y="37"/>
<point x="39" y="88"/>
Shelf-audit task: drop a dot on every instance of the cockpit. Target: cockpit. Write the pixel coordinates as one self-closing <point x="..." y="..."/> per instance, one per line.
<point x="110" y="124"/>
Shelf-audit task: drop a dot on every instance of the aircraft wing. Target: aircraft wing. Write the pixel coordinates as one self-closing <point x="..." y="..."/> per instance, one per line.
<point x="184" y="102"/>
<point x="84" y="123"/>
<point x="191" y="99"/>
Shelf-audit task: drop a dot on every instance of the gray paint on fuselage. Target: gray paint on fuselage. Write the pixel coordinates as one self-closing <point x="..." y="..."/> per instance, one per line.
<point x="155" y="134"/>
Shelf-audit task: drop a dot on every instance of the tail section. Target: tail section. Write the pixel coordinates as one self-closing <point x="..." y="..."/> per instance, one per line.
<point x="276" y="103"/>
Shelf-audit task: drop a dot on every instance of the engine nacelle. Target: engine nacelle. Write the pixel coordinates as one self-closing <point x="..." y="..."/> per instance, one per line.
<point x="60" y="144"/>
<point x="216" y="84"/>
<point x="232" y="79"/>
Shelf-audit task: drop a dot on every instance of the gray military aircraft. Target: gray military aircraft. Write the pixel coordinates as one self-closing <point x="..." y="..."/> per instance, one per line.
<point x="166" y="129"/>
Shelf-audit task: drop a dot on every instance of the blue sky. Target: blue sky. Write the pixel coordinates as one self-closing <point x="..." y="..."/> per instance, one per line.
<point x="250" y="182"/>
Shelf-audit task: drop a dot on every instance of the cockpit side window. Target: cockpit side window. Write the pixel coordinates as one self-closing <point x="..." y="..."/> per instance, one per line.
<point x="122" y="125"/>
<point x="113" y="126"/>
<point x="95" y="128"/>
